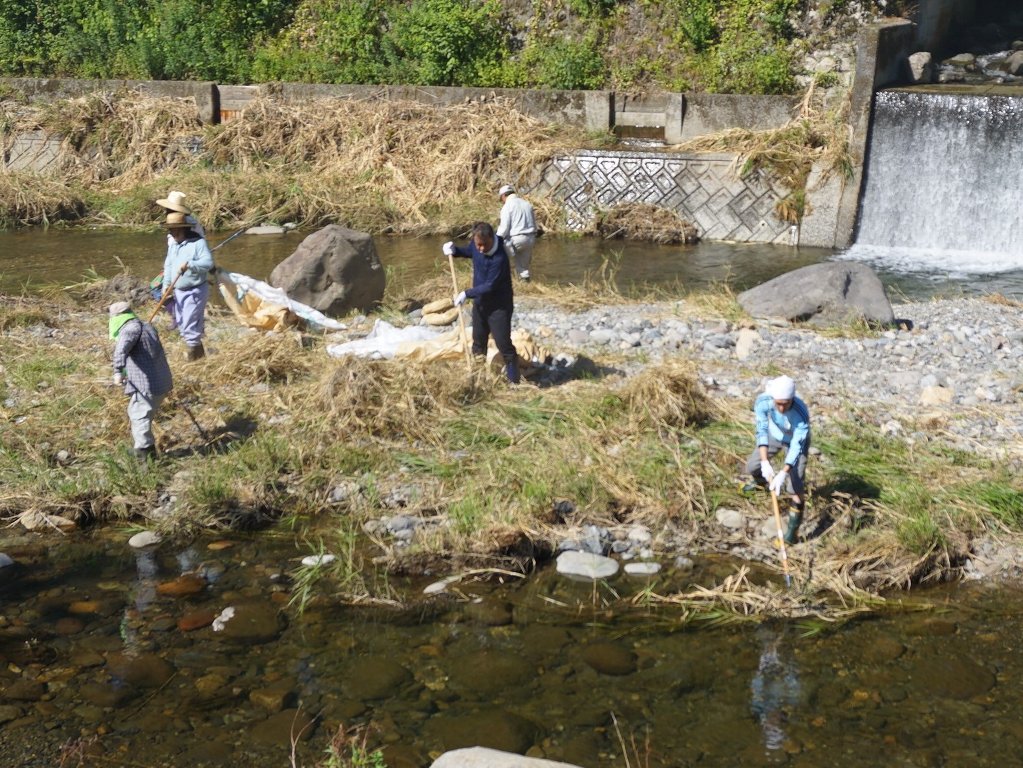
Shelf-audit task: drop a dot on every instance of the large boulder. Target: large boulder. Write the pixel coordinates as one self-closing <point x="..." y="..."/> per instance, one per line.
<point x="334" y="270"/>
<point x="831" y="293"/>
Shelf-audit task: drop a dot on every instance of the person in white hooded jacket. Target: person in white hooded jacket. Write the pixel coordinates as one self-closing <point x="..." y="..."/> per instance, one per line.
<point x="782" y="427"/>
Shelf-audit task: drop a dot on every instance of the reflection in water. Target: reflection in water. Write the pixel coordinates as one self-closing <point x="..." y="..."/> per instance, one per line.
<point x="143" y="593"/>
<point x="774" y="689"/>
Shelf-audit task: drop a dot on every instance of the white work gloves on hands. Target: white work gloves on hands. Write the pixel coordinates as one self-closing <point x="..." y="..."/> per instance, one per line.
<point x="448" y="248"/>
<point x="118" y="379"/>
<point x="766" y="470"/>
<point x="459" y="299"/>
<point x="778" y="483"/>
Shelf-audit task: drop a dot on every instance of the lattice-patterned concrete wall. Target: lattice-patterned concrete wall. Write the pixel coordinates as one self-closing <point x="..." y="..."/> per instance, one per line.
<point x="34" y="151"/>
<point x="703" y="189"/>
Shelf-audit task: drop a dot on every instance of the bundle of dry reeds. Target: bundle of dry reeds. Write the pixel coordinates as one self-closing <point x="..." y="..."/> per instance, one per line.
<point x="641" y="221"/>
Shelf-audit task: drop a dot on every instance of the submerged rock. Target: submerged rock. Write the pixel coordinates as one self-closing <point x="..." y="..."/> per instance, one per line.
<point x="482" y="757"/>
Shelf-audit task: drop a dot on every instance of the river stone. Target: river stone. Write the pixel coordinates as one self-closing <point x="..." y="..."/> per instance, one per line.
<point x="68" y="625"/>
<point x="375" y="677"/>
<point x="183" y="586"/>
<point x="490" y="671"/>
<point x="146" y="670"/>
<point x="586" y="565"/>
<point x="831" y="293"/>
<point x="251" y="623"/>
<point x="9" y="712"/>
<point x="283" y="728"/>
<point x="489" y="612"/>
<point x="730" y="518"/>
<point x="609" y="658"/>
<point x="481" y="757"/>
<point x="144" y="539"/>
<point x="882" y="648"/>
<point x="196" y="619"/>
<point x="271" y="700"/>
<point x="952" y="678"/>
<point x="6" y="561"/>
<point x="642" y="569"/>
<point x="936" y="395"/>
<point x="334" y="270"/>
<point x="496" y="729"/>
<point x="24" y="690"/>
<point x="106" y="694"/>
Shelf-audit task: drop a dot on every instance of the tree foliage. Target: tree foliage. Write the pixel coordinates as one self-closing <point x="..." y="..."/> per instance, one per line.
<point x="722" y="45"/>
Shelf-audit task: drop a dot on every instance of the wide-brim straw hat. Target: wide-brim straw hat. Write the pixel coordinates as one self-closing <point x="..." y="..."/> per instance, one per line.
<point x="177" y="220"/>
<point x="175" y="201"/>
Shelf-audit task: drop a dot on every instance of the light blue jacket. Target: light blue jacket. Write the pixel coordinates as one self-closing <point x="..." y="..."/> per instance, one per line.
<point x="196" y="254"/>
<point x="791" y="428"/>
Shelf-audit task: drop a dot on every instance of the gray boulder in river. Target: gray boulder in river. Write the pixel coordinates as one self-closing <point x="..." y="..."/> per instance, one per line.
<point x="831" y="293"/>
<point x="334" y="270"/>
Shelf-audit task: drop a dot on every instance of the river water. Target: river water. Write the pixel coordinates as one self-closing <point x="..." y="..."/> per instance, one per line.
<point x="98" y="655"/>
<point x="110" y="652"/>
<point x="32" y="259"/>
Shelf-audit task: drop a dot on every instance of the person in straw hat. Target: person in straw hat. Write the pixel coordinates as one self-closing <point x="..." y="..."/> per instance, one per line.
<point x="782" y="425"/>
<point x="517" y="229"/>
<point x="174" y="202"/>
<point x="140" y="366"/>
<point x="186" y="267"/>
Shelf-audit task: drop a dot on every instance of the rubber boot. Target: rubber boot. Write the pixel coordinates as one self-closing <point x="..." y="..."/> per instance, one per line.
<point x="512" y="371"/>
<point x="144" y="455"/>
<point x="195" y="353"/>
<point x="795" y="519"/>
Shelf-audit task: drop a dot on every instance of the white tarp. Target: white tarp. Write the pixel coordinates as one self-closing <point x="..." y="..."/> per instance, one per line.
<point x="386" y="341"/>
<point x="260" y="305"/>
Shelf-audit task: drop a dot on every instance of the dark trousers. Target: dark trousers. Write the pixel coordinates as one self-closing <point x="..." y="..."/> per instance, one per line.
<point x="496" y="322"/>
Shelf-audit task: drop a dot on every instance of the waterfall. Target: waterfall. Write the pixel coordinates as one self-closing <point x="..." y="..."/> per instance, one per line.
<point x="944" y="184"/>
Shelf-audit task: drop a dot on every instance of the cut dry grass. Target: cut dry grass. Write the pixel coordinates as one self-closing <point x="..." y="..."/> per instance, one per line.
<point x="642" y="221"/>
<point x="378" y="166"/>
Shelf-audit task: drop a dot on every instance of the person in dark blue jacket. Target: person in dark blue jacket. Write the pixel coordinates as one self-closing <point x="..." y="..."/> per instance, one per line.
<point x="491" y="294"/>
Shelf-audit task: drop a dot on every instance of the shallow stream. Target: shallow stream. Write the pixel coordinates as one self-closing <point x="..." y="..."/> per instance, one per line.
<point x="100" y="657"/>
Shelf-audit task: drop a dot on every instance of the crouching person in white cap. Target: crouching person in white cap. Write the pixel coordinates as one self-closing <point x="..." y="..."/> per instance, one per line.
<point x="140" y="365"/>
<point x="782" y="426"/>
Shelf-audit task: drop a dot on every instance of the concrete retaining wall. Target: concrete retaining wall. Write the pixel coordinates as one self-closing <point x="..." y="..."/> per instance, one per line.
<point x="703" y="189"/>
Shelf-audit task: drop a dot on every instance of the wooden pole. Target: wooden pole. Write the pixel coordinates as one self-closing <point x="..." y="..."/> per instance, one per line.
<point x="168" y="293"/>
<point x="461" y="319"/>
<point x="781" y="539"/>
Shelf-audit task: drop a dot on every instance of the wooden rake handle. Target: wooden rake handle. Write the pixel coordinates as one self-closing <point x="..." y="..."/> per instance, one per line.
<point x="461" y="319"/>
<point x="781" y="539"/>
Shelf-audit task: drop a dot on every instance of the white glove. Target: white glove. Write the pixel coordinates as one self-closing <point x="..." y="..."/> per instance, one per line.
<point x="118" y="379"/>
<point x="767" y="470"/>
<point x="448" y="248"/>
<point x="778" y="483"/>
<point x="459" y="299"/>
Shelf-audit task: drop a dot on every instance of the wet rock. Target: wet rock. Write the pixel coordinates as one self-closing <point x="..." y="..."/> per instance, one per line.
<point x="144" y="539"/>
<point x="642" y="569"/>
<point x="146" y="670"/>
<point x="952" y="678"/>
<point x="609" y="658"/>
<point x="491" y="671"/>
<point x="68" y="625"/>
<point x="283" y="728"/>
<point x="250" y="623"/>
<point x="586" y="565"/>
<point x="495" y="729"/>
<point x="24" y="690"/>
<point x="481" y="757"/>
<point x="270" y="699"/>
<point x="105" y="695"/>
<point x="196" y="619"/>
<point x="489" y="612"/>
<point x="37" y="521"/>
<point x="9" y="712"/>
<point x="375" y="677"/>
<point x="184" y="586"/>
<point x="882" y="648"/>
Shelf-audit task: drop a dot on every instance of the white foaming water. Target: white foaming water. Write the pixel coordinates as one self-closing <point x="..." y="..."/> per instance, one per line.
<point x="944" y="185"/>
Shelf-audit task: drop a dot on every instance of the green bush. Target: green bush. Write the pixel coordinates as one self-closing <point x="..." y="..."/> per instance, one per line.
<point x="445" y="42"/>
<point x="330" y="41"/>
<point x="564" y="64"/>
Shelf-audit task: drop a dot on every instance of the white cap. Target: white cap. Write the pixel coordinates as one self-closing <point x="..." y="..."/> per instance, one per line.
<point x="119" y="308"/>
<point x="782" y="388"/>
<point x="507" y="189"/>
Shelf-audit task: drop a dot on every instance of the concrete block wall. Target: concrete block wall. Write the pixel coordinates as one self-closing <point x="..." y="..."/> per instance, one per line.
<point x="703" y="189"/>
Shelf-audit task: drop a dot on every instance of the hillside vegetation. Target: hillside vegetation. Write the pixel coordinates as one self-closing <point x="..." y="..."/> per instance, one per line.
<point x="741" y="46"/>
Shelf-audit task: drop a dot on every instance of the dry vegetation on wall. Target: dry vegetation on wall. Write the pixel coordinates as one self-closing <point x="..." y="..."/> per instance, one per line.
<point x="377" y="166"/>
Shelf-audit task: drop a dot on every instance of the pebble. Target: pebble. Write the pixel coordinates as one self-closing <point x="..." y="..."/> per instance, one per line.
<point x="144" y="539"/>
